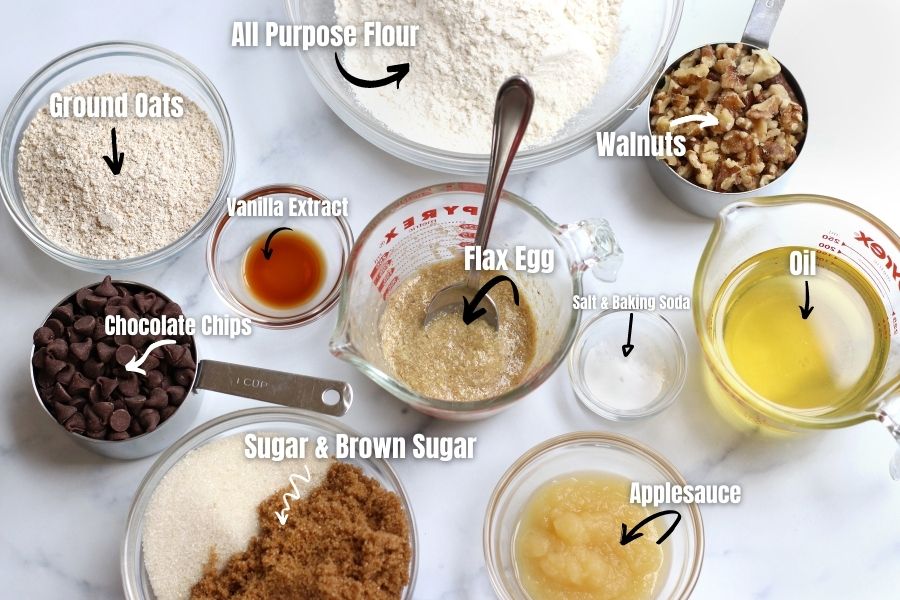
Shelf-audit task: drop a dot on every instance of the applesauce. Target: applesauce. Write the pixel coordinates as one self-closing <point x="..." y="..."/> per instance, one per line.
<point x="567" y="544"/>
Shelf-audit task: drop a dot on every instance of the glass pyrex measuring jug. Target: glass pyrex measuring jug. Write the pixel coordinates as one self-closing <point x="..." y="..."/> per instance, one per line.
<point x="434" y="224"/>
<point x="846" y="239"/>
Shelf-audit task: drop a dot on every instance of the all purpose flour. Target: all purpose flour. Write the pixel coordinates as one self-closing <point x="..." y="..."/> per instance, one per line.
<point x="467" y="48"/>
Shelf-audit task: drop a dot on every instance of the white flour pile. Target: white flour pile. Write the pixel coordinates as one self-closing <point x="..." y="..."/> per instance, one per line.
<point x="169" y="177"/>
<point x="209" y="500"/>
<point x="467" y="48"/>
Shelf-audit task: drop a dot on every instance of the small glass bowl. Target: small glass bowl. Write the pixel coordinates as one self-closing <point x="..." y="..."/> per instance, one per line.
<point x="287" y="421"/>
<point x="232" y="236"/>
<point x="647" y="30"/>
<point x="131" y="58"/>
<point x="650" y="330"/>
<point x="585" y="452"/>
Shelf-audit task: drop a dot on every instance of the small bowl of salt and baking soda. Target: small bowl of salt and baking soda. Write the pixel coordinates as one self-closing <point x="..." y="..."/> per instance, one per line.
<point x="156" y="185"/>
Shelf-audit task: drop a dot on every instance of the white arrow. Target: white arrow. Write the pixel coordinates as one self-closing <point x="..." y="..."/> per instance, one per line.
<point x="707" y="120"/>
<point x="134" y="365"/>
<point x="295" y="495"/>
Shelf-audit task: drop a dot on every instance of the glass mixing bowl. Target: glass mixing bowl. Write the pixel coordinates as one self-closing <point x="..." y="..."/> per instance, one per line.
<point x="647" y="29"/>
<point x="285" y="421"/>
<point x="585" y="452"/>
<point x="131" y="58"/>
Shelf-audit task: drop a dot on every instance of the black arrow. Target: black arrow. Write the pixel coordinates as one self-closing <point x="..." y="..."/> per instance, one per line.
<point x="399" y="72"/>
<point x="267" y="252"/>
<point x="628" y="346"/>
<point x="630" y="536"/>
<point x="470" y="314"/>
<point x="115" y="163"/>
<point x="805" y="311"/>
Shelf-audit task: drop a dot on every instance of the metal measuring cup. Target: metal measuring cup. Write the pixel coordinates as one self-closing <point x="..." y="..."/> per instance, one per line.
<point x="276" y="387"/>
<point x="695" y="198"/>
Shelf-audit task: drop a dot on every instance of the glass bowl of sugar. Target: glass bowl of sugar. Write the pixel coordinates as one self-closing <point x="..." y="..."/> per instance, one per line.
<point x="202" y="498"/>
<point x="591" y="62"/>
<point x="116" y="156"/>
<point x="627" y="365"/>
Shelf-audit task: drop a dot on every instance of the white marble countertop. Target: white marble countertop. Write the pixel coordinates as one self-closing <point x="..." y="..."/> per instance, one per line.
<point x="821" y="517"/>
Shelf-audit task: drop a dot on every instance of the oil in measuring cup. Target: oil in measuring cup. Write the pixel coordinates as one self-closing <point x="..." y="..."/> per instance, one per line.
<point x="825" y="363"/>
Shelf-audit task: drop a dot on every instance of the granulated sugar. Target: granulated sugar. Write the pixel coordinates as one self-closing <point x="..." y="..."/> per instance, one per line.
<point x="169" y="178"/>
<point x="467" y="48"/>
<point x="207" y="501"/>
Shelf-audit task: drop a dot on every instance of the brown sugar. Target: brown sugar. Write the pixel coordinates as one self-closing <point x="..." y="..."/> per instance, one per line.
<point x="348" y="539"/>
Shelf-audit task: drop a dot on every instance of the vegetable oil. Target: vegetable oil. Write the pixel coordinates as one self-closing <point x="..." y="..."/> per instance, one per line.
<point x="825" y="364"/>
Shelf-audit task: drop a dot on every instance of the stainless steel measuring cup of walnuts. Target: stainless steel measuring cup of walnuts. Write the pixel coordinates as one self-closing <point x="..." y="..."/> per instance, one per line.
<point x="85" y="380"/>
<point x="743" y="116"/>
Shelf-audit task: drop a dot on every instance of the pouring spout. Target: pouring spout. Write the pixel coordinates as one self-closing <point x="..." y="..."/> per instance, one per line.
<point x="593" y="246"/>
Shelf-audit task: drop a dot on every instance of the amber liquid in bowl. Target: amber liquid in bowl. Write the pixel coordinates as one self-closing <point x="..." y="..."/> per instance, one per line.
<point x="292" y="274"/>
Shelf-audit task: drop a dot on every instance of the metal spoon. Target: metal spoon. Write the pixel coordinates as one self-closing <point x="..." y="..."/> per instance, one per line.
<point x="512" y="112"/>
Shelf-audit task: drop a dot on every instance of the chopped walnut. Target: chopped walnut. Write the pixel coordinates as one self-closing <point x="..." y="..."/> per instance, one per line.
<point x="761" y="123"/>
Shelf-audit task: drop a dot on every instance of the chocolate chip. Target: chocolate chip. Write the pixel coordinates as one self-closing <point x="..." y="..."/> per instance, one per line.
<point x="104" y="411"/>
<point x="75" y="423"/>
<point x="125" y="354"/>
<point x="81" y="350"/>
<point x="38" y="358"/>
<point x="107" y="385"/>
<point x="176" y="394"/>
<point x="99" y="331"/>
<point x="135" y="428"/>
<point x="117" y="436"/>
<point x="92" y="420"/>
<point x="106" y="288"/>
<point x="171" y="309"/>
<point x="151" y="362"/>
<point x="80" y="384"/>
<point x="129" y="385"/>
<point x="149" y="419"/>
<point x="95" y="304"/>
<point x="73" y="336"/>
<point x="144" y="301"/>
<point x="184" y="377"/>
<point x="56" y="326"/>
<point x="43" y="336"/>
<point x="81" y="294"/>
<point x="85" y="325"/>
<point x="63" y="411"/>
<point x="59" y="394"/>
<point x="135" y="404"/>
<point x="167" y="412"/>
<point x="58" y="348"/>
<point x="66" y="375"/>
<point x="158" y="398"/>
<point x="119" y="420"/>
<point x="63" y="313"/>
<point x="122" y="340"/>
<point x="159" y="303"/>
<point x="92" y="368"/>
<point x="45" y="378"/>
<point x="154" y="377"/>
<point x="105" y="352"/>
<point x="97" y="435"/>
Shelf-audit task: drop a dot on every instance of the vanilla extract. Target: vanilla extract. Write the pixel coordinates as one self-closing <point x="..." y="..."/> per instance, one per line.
<point x="634" y="144"/>
<point x="293" y="206"/>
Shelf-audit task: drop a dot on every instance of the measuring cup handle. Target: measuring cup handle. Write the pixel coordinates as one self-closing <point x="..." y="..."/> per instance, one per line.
<point x="592" y="245"/>
<point x="277" y="387"/>
<point x="893" y="428"/>
<point x="761" y="24"/>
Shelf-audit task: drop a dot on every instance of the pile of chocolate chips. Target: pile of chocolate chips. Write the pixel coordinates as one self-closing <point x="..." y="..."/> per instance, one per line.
<point x="80" y="371"/>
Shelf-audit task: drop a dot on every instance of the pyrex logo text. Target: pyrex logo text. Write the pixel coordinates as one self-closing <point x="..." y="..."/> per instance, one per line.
<point x="431" y="213"/>
<point x="880" y="253"/>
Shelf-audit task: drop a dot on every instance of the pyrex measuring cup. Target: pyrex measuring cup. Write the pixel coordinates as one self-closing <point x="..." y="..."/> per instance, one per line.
<point x="323" y="396"/>
<point x="434" y="224"/>
<point x="837" y="231"/>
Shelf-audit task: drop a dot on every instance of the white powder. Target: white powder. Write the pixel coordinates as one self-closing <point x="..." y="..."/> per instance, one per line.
<point x="168" y="180"/>
<point x="209" y="500"/>
<point x="467" y="48"/>
<point x="626" y="383"/>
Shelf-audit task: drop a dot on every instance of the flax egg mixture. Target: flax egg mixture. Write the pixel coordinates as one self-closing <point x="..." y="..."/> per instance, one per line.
<point x="567" y="544"/>
<point x="449" y="360"/>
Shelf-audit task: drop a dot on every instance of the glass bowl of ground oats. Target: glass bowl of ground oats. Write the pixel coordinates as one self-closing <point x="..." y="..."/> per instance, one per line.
<point x="116" y="156"/>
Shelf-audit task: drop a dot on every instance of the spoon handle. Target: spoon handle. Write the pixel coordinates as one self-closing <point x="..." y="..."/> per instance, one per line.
<point x="511" y="115"/>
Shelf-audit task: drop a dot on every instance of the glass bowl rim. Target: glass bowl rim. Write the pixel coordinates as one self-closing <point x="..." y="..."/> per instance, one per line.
<point x="608" y="411"/>
<point x="596" y="438"/>
<point x="308" y="315"/>
<point x="226" y="424"/>
<point x="15" y="113"/>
